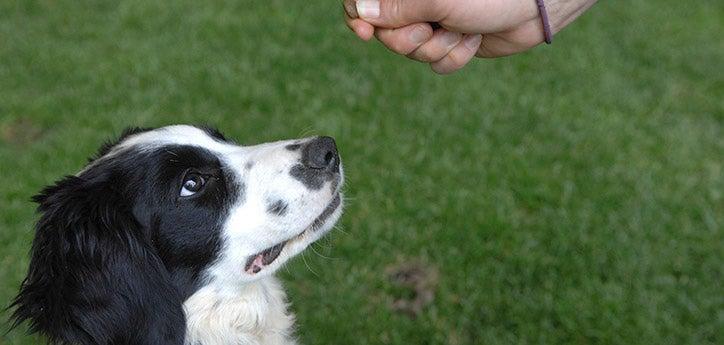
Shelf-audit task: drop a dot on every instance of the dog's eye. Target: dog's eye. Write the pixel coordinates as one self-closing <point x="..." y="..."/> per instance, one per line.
<point x="193" y="183"/>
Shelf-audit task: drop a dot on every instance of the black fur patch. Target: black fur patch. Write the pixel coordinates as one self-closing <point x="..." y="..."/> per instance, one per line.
<point x="313" y="179"/>
<point x="117" y="251"/>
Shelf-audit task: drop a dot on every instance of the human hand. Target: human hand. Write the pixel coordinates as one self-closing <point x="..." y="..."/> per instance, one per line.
<point x="468" y="28"/>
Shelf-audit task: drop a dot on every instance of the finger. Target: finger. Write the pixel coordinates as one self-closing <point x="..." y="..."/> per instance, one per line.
<point x="397" y="13"/>
<point x="441" y="43"/>
<point x="362" y="29"/>
<point x="458" y="56"/>
<point x="405" y="39"/>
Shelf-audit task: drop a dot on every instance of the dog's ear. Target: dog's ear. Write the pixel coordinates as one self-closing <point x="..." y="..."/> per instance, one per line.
<point x="94" y="277"/>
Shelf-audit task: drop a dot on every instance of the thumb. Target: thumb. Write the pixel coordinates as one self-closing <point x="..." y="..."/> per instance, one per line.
<point x="397" y="13"/>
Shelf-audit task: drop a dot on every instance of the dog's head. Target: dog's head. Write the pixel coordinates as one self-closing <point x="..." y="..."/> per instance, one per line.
<point x="160" y="213"/>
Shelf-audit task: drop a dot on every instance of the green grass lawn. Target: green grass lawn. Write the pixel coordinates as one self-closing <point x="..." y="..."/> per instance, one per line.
<point x="569" y="195"/>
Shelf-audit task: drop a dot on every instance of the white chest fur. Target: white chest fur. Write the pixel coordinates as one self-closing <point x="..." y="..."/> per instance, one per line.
<point x="255" y="314"/>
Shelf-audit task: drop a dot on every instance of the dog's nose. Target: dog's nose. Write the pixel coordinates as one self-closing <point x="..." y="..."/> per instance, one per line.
<point x="321" y="153"/>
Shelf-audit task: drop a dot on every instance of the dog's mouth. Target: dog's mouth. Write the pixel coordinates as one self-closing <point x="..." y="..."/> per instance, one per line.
<point x="258" y="261"/>
<point x="265" y="258"/>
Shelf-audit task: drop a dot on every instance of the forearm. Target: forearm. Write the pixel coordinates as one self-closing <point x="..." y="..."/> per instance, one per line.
<point x="563" y="12"/>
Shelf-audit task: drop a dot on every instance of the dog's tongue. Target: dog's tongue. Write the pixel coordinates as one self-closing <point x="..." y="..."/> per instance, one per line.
<point x="257" y="262"/>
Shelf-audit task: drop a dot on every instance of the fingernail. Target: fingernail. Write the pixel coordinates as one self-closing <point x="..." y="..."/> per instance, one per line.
<point x="473" y="42"/>
<point x="450" y="38"/>
<point x="419" y="35"/>
<point x="351" y="8"/>
<point x="368" y="9"/>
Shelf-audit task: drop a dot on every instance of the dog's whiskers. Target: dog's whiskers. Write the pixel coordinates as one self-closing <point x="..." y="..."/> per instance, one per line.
<point x="340" y="228"/>
<point x="307" y="132"/>
<point x="286" y="268"/>
<point x="304" y="258"/>
<point x="320" y="254"/>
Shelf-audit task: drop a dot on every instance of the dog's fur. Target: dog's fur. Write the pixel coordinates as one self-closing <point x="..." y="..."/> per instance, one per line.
<point x="171" y="236"/>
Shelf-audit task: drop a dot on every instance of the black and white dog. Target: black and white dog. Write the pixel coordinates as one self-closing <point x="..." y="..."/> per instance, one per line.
<point x="171" y="236"/>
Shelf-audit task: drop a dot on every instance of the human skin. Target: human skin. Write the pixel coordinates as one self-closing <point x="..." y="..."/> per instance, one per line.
<point x="467" y="28"/>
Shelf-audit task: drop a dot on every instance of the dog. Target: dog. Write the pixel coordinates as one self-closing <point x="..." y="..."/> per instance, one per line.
<point x="172" y="236"/>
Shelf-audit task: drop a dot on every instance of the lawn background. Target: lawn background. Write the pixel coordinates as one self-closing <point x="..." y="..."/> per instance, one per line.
<point x="568" y="195"/>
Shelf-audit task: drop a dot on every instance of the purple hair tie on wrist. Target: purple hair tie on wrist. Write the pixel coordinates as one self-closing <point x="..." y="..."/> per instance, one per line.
<point x="547" y="35"/>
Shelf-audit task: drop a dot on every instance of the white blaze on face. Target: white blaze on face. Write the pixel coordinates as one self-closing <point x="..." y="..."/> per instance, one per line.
<point x="263" y="173"/>
<point x="254" y="231"/>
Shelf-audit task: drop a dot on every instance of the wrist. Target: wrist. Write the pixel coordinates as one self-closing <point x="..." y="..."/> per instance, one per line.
<point x="563" y="12"/>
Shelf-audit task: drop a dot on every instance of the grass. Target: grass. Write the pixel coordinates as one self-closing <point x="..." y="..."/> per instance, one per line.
<point x="569" y="195"/>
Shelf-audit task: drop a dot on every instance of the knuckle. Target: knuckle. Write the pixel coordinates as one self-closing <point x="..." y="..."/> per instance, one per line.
<point x="457" y="58"/>
<point x="394" y="8"/>
<point x="421" y="55"/>
<point x="424" y="56"/>
<point x="431" y="52"/>
<point x="431" y="55"/>
<point x="417" y="57"/>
